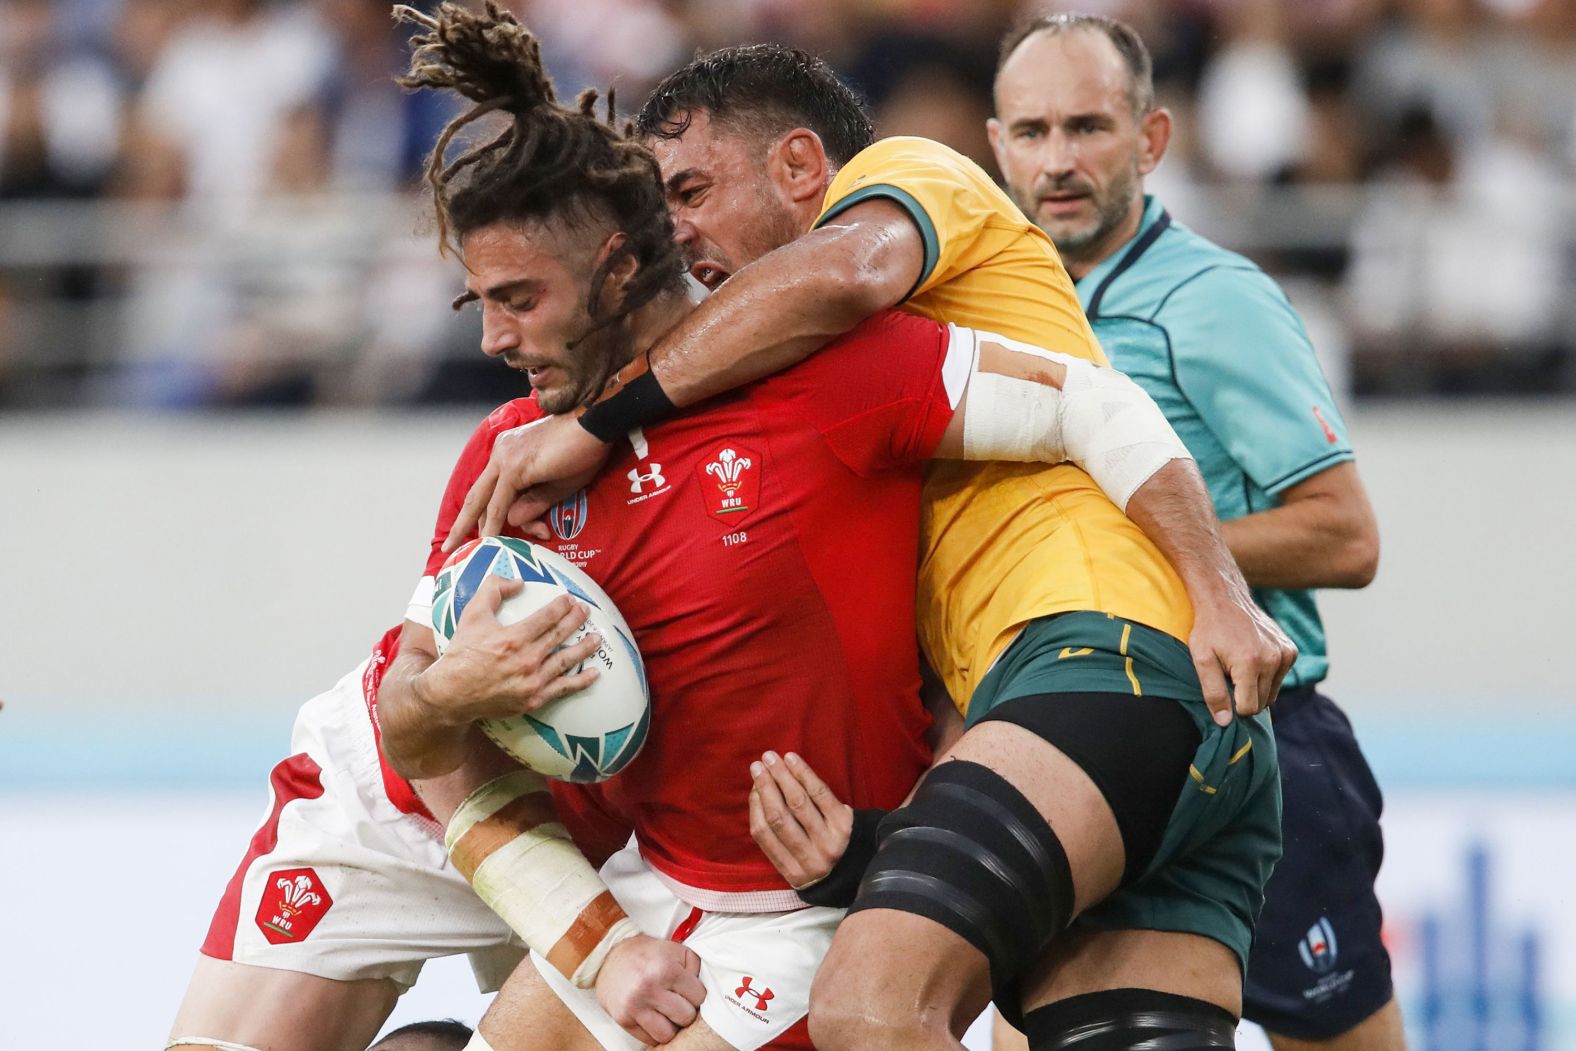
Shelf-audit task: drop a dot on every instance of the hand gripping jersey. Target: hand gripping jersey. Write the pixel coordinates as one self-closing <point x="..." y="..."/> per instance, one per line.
<point x="763" y="550"/>
<point x="1003" y="544"/>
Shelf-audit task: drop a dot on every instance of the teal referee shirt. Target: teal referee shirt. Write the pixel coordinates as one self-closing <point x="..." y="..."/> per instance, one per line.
<point x="1215" y="342"/>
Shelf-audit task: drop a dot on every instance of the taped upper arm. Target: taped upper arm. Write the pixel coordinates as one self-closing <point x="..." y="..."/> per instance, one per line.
<point x="1028" y="404"/>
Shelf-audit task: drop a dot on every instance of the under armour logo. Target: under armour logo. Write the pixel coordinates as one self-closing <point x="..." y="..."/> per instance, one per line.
<point x="638" y="480"/>
<point x="761" y="996"/>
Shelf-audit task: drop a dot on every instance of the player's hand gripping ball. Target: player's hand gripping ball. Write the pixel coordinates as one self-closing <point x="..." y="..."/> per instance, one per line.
<point x="589" y="735"/>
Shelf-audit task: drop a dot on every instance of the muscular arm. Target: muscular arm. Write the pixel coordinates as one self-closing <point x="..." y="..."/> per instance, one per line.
<point x="1024" y="403"/>
<point x="1323" y="535"/>
<point x="420" y="741"/>
<point x="427" y="707"/>
<point x="784" y="306"/>
<point x="1174" y="511"/>
<point x="524" y="867"/>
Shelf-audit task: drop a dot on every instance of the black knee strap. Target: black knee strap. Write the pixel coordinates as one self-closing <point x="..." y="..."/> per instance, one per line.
<point x="1124" y="1019"/>
<point x="972" y="854"/>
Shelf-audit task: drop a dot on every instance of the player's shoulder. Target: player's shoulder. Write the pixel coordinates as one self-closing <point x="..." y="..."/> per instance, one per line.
<point x="511" y="414"/>
<point x="506" y="417"/>
<point x="881" y="336"/>
<point x="886" y="350"/>
<point x="908" y="157"/>
<point x="908" y="149"/>
<point x="1185" y="268"/>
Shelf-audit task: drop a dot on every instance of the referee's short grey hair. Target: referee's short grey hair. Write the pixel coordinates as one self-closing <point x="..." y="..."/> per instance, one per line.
<point x="1128" y="44"/>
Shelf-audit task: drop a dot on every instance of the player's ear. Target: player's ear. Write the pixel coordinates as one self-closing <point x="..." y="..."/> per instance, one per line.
<point x="1154" y="132"/>
<point x="621" y="266"/>
<point x="798" y="165"/>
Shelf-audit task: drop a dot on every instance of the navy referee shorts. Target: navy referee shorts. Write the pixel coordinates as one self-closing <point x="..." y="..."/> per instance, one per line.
<point x="1318" y="966"/>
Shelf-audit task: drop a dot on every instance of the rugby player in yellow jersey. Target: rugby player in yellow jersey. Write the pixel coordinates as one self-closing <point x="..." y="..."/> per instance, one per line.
<point x="1094" y="846"/>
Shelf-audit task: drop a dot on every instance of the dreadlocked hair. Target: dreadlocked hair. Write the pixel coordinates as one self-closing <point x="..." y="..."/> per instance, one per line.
<point x="550" y="162"/>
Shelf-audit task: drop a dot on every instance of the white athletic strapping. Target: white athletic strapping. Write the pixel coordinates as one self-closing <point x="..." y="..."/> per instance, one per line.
<point x="1098" y="419"/>
<point x="506" y="841"/>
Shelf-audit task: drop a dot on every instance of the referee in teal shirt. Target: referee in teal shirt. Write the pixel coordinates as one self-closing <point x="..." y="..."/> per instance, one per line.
<point x="1216" y="343"/>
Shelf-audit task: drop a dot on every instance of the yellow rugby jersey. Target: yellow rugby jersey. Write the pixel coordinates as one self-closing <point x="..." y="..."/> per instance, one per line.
<point x="1004" y="543"/>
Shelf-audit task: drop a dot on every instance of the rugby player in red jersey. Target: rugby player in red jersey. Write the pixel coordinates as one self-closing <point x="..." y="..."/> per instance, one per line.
<point x="780" y="609"/>
<point x="786" y="616"/>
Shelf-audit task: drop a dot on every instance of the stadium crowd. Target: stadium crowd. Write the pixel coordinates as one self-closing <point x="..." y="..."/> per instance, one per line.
<point x="213" y="202"/>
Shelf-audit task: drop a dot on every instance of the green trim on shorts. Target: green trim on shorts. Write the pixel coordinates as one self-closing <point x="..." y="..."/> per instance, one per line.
<point x="1223" y="837"/>
<point x="1085" y="652"/>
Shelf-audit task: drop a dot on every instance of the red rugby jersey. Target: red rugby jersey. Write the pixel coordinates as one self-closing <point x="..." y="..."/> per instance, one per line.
<point x="763" y="549"/>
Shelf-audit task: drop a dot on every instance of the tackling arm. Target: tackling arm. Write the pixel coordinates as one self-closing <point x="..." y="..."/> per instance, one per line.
<point x="1028" y="404"/>
<point x="786" y="305"/>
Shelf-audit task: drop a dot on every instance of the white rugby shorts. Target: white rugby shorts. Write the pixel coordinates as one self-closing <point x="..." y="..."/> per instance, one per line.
<point x="340" y="884"/>
<point x="756" y="967"/>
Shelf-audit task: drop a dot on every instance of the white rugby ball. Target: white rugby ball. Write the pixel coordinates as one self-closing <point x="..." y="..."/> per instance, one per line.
<point x="589" y="735"/>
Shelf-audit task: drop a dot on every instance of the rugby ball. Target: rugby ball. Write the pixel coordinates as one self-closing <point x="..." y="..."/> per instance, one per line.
<point x="589" y="735"/>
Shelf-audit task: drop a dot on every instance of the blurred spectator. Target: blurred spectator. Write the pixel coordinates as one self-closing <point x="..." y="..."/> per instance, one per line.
<point x="1332" y="153"/>
<point x="937" y="102"/>
<point x="242" y="176"/>
<point x="223" y="86"/>
<point x="378" y="133"/>
<point x="7" y="344"/>
<point x="306" y="297"/>
<point x="273" y="266"/>
<point x="1456" y="273"/>
<point x="1253" y="115"/>
<point x="288" y="322"/>
<point x="60" y="108"/>
<point x="602" y="43"/>
<point x="360" y="314"/>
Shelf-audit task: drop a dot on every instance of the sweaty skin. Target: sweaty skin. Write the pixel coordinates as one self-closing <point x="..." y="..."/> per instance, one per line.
<point x="783" y="306"/>
<point x="491" y="670"/>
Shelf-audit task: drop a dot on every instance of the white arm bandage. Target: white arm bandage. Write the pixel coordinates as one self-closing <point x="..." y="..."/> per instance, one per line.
<point x="506" y="840"/>
<point x="419" y="608"/>
<point x="1099" y="419"/>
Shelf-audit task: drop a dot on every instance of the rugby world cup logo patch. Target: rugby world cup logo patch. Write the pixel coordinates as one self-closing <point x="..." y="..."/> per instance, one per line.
<point x="1317" y="947"/>
<point x="294" y="900"/>
<point x="568" y="517"/>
